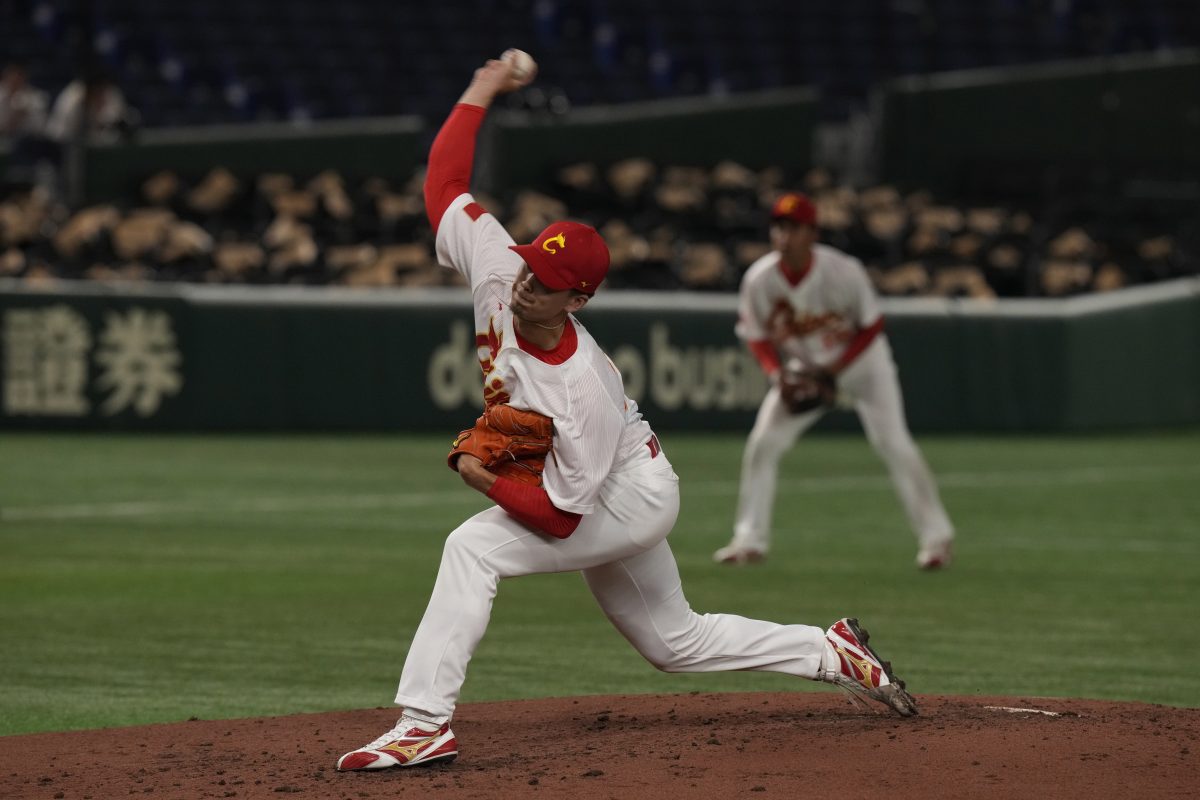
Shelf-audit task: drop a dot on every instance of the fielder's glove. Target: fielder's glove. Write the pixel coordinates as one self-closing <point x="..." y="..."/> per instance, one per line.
<point x="509" y="442"/>
<point x="806" y="388"/>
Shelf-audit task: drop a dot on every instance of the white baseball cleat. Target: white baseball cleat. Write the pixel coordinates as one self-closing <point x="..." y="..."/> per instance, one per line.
<point x="734" y="553"/>
<point x="409" y="743"/>
<point x="861" y="673"/>
<point x="935" y="555"/>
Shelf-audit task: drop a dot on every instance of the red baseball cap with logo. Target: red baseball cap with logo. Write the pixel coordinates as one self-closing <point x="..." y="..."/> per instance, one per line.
<point x="795" y="207"/>
<point x="567" y="255"/>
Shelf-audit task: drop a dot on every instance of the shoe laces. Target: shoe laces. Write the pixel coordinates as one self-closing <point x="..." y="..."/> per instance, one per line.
<point x="402" y="726"/>
<point x="849" y="659"/>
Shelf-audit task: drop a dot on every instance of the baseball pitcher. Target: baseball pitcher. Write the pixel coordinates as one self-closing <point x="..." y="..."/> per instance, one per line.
<point x="579" y="480"/>
<point x="809" y="315"/>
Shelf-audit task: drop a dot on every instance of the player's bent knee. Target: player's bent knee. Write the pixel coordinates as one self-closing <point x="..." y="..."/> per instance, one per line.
<point x="658" y="651"/>
<point x="665" y="661"/>
<point x="650" y="647"/>
<point x="464" y="548"/>
<point x="670" y="652"/>
<point x="460" y="539"/>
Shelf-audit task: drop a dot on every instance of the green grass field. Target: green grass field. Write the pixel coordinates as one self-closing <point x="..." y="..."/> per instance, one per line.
<point x="147" y="579"/>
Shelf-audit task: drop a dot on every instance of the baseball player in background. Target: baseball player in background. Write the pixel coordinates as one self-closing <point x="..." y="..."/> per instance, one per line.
<point x="809" y="315"/>
<point x="607" y="498"/>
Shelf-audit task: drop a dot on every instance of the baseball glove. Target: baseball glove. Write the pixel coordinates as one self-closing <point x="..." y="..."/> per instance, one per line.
<point x="806" y="388"/>
<point x="511" y="443"/>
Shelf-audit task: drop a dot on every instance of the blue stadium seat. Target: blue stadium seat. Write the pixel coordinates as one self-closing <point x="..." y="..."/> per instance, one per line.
<point x="600" y="50"/>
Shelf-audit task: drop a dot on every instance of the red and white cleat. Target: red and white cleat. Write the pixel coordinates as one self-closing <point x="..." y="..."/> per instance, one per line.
<point x="861" y="673"/>
<point x="935" y="555"/>
<point x="410" y="743"/>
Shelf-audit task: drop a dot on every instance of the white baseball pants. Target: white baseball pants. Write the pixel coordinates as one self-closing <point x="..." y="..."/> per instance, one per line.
<point x="622" y="551"/>
<point x="872" y="385"/>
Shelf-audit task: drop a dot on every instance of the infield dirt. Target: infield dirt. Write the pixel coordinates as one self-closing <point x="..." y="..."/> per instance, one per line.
<point x="645" y="746"/>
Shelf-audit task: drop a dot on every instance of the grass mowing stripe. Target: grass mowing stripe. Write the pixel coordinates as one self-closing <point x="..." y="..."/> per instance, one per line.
<point x="981" y="480"/>
<point x="235" y="506"/>
<point x="978" y="480"/>
<point x="1069" y="543"/>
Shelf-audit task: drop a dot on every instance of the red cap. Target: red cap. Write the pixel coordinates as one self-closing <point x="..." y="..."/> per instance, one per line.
<point x="795" y="207"/>
<point x="567" y="255"/>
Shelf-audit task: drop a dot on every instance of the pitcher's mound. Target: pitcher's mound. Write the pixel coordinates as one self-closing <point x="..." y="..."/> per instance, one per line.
<point x="658" y="747"/>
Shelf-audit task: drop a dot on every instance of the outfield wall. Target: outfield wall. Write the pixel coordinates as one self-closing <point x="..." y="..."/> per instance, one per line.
<point x="294" y="358"/>
<point x="387" y="146"/>
<point x="519" y="148"/>
<point x="528" y="149"/>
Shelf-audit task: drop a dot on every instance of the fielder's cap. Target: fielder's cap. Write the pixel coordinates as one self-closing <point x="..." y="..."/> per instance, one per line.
<point x="795" y="207"/>
<point x="567" y="255"/>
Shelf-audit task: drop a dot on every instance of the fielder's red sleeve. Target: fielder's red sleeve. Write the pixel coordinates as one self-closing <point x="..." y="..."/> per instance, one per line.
<point x="764" y="351"/>
<point x="531" y="505"/>
<point x="858" y="344"/>
<point x="451" y="159"/>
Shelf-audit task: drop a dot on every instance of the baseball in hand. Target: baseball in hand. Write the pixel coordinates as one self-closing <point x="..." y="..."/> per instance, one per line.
<point x="521" y="65"/>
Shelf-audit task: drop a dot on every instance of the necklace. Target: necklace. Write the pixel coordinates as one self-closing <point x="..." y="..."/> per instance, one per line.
<point x="546" y="327"/>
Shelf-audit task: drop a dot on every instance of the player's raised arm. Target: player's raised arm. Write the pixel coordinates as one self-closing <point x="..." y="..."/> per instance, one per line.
<point x="495" y="78"/>
<point x="453" y="153"/>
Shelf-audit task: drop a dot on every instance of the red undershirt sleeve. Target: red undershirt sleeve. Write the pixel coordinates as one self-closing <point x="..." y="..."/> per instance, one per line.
<point x="767" y="357"/>
<point x="451" y="159"/>
<point x="858" y="344"/>
<point x="531" y="505"/>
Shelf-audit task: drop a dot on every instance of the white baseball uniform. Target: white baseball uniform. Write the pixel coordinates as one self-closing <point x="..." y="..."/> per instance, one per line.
<point x="606" y="465"/>
<point x="813" y="321"/>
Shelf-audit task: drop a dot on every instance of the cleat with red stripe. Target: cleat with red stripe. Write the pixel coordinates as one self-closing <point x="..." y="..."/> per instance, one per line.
<point x="935" y="555"/>
<point x="861" y="673"/>
<point x="409" y="743"/>
<point x="734" y="553"/>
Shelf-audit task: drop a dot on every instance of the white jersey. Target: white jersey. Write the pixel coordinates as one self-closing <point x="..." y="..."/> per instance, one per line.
<point x="597" y="429"/>
<point x="813" y="320"/>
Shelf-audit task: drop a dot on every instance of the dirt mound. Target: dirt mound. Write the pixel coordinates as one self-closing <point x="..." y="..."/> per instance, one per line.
<point x="645" y="746"/>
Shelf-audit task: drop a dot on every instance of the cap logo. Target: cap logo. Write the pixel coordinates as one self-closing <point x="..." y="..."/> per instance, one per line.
<point x="787" y="204"/>
<point x="583" y="284"/>
<point x="562" y="243"/>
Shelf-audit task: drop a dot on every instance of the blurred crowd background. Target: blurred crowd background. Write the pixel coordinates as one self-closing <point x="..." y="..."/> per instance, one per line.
<point x="84" y="73"/>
